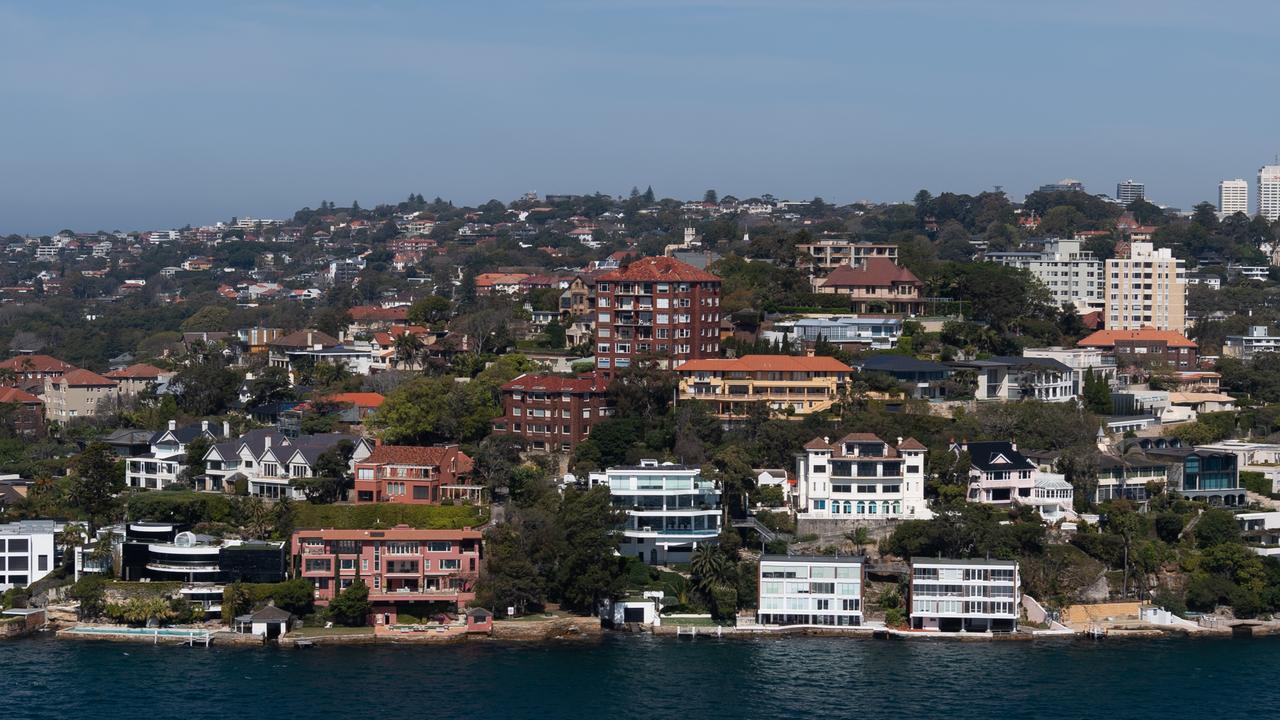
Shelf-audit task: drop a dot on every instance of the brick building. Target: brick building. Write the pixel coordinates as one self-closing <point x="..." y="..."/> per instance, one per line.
<point x="551" y="413"/>
<point x="1145" y="347"/>
<point x="659" y="307"/>
<point x="418" y="475"/>
<point x="421" y="572"/>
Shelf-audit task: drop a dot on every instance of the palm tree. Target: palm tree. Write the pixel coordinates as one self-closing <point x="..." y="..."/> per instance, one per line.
<point x="74" y="535"/>
<point x="408" y="347"/>
<point x="859" y="537"/>
<point x="711" y="569"/>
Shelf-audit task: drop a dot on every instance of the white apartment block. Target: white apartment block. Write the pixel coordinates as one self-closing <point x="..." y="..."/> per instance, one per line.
<point x="671" y="509"/>
<point x="1259" y="340"/>
<point x="1233" y="197"/>
<point x="26" y="552"/>
<point x="1146" y="289"/>
<point x="1071" y="274"/>
<point x="810" y="590"/>
<point x="1130" y="190"/>
<point x="1269" y="192"/>
<point x="861" y="477"/>
<point x="964" y="595"/>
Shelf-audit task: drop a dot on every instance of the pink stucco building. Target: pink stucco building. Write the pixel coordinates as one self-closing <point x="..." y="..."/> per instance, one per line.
<point x="413" y="575"/>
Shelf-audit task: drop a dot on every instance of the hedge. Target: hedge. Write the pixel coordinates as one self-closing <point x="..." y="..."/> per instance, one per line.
<point x="381" y="515"/>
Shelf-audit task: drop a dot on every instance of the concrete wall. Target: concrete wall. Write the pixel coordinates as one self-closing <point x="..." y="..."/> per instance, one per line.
<point x="835" y="529"/>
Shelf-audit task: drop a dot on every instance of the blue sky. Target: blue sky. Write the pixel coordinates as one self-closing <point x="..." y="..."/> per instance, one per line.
<point x="133" y="115"/>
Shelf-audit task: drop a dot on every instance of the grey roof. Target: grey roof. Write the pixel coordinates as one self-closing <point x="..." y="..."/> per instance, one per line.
<point x="1017" y="362"/>
<point x="270" y="614"/>
<point x="983" y="455"/>
<point x="899" y="363"/>
<point x="29" y="527"/>
<point x="851" y="559"/>
<point x="957" y="561"/>
<point x="128" y="436"/>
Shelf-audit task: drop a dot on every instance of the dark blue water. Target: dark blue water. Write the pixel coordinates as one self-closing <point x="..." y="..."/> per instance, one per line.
<point x="649" y="678"/>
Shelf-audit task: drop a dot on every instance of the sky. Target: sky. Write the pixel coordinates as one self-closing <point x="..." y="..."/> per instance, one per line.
<point x="148" y="115"/>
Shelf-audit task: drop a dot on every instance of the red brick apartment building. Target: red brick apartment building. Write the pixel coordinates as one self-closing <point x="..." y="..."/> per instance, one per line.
<point x="550" y="413"/>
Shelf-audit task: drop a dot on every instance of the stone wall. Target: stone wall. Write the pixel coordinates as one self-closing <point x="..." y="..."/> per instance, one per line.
<point x="831" y="530"/>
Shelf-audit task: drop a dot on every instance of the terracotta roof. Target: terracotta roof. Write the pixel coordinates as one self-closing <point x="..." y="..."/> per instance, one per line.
<point x="359" y="399"/>
<point x="83" y="378"/>
<point x="304" y="339"/>
<point x="817" y="444"/>
<point x="838" y="445"/>
<point x="658" y="269"/>
<point x="1109" y="338"/>
<point x="36" y="363"/>
<point x="591" y="382"/>
<point x="365" y="313"/>
<point x="767" y="363"/>
<point x="430" y="456"/>
<point x="911" y="444"/>
<point x="872" y="272"/>
<point x="12" y="395"/>
<point x="491" y="279"/>
<point x="861" y="437"/>
<point x="140" y="371"/>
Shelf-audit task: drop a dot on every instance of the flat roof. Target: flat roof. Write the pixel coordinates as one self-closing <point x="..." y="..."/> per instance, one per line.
<point x="851" y="559"/>
<point x="955" y="561"/>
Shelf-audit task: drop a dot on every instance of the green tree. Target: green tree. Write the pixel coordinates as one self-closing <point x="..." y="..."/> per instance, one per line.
<point x="237" y="600"/>
<point x="351" y="606"/>
<point x="90" y="592"/>
<point x="1097" y="393"/>
<point x="1216" y="527"/>
<point x="588" y="568"/>
<point x="429" y="310"/>
<point x="97" y="475"/>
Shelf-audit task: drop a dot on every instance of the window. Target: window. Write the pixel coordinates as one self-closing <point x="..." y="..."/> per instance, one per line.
<point x="450" y="564"/>
<point x="439" y="546"/>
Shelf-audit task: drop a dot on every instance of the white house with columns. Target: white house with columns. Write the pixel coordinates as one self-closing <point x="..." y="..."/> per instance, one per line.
<point x="861" y="477"/>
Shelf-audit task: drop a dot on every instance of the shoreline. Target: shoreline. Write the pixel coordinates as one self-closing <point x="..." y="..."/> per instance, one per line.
<point x="579" y="629"/>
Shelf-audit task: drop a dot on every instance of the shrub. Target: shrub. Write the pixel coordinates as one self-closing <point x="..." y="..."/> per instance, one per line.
<point x="894" y="617"/>
<point x="354" y="517"/>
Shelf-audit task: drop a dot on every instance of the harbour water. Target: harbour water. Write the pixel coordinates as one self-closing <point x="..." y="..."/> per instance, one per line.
<point x="647" y="677"/>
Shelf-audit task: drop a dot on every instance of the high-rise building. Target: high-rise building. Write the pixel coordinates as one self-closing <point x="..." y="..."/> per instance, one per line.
<point x="656" y="307"/>
<point x="1269" y="191"/>
<point x="1130" y="190"/>
<point x="1063" y="185"/>
<point x="1233" y="197"/>
<point x="1148" y="288"/>
<point x="1071" y="273"/>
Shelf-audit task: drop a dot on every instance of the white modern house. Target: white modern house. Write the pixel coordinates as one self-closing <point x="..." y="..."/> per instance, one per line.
<point x="27" y="552"/>
<point x="1021" y="378"/>
<point x="671" y="509"/>
<point x="1082" y="361"/>
<point x="861" y="477"/>
<point x="810" y="590"/>
<point x="1244" y="347"/>
<point x="950" y="595"/>
<point x="166" y="461"/>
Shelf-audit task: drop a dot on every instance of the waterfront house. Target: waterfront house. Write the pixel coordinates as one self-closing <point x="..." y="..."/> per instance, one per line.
<point x="409" y="572"/>
<point x="416" y="475"/>
<point x="810" y="590"/>
<point x="948" y="595"/>
<point x="27" y="552"/>
<point x="670" y="508"/>
<point x="861" y="477"/>
<point x="1199" y="473"/>
<point x="920" y="379"/>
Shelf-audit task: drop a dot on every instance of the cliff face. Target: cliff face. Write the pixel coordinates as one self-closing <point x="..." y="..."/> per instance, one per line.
<point x="563" y="628"/>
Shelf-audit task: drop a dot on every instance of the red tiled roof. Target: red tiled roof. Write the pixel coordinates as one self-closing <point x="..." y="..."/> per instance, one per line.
<point x="12" y="395"/>
<point x="83" y="378"/>
<point x="366" y="313"/>
<point x="491" y="279"/>
<point x="426" y="456"/>
<point x="911" y="444"/>
<point x="861" y="437"/>
<point x="140" y="371"/>
<point x="659" y="269"/>
<point x="399" y="532"/>
<point x="1109" y="338"/>
<point x="872" y="272"/>
<point x="591" y="382"/>
<point x="817" y="444"/>
<point x="768" y="363"/>
<point x="36" y="363"/>
<point x="305" y="339"/>
<point x="359" y="399"/>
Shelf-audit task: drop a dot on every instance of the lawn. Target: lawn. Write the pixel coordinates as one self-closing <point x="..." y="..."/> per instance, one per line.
<point x="314" y="632"/>
<point x="382" y="515"/>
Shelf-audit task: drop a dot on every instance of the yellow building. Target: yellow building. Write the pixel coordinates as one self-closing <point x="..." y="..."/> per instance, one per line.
<point x="1146" y="288"/>
<point x="789" y="385"/>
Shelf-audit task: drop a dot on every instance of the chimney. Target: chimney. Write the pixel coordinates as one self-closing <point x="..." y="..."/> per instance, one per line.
<point x="226" y="429"/>
<point x="204" y="425"/>
<point x="1013" y="445"/>
<point x="266" y="442"/>
<point x="173" y="424"/>
<point x="899" y="439"/>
